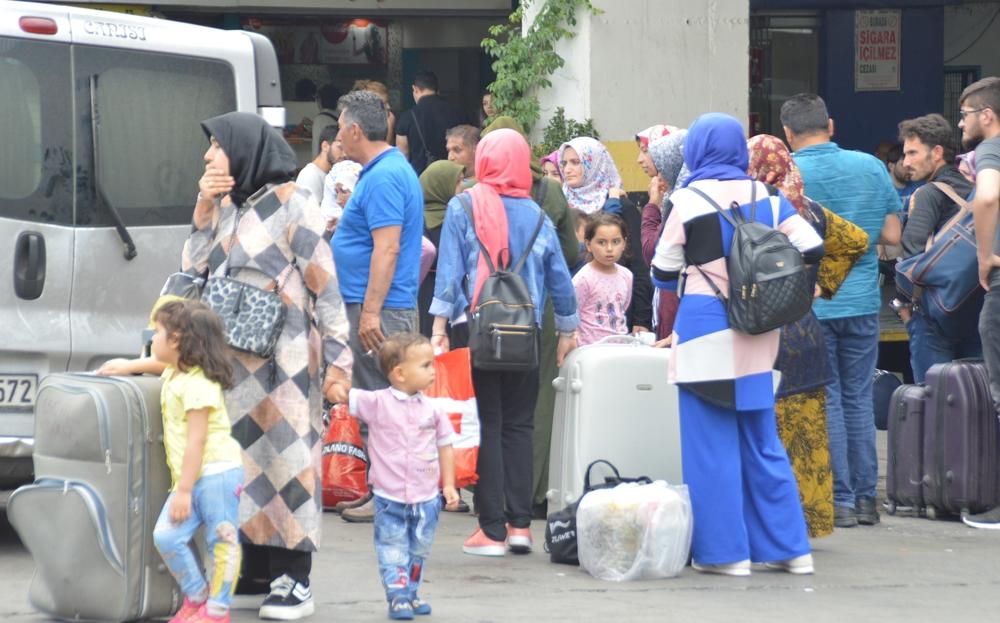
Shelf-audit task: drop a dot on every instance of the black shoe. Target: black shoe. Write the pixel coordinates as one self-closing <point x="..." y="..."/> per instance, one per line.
<point x="462" y="507"/>
<point x="844" y="517"/>
<point x="288" y="601"/>
<point x="989" y="520"/>
<point x="864" y="508"/>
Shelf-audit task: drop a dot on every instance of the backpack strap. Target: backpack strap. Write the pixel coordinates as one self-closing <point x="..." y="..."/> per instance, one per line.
<point x="730" y="219"/>
<point x="531" y="243"/>
<point x="466" y="202"/>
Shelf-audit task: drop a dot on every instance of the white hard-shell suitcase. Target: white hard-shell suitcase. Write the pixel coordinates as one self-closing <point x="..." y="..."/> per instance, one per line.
<point x="613" y="402"/>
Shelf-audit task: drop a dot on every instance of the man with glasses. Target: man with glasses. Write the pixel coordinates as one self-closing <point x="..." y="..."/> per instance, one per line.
<point x="978" y="110"/>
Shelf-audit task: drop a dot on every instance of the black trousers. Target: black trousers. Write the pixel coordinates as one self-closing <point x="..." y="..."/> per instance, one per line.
<point x="506" y="403"/>
<point x="262" y="564"/>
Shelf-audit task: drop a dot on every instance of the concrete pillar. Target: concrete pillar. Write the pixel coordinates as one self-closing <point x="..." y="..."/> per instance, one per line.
<point x="643" y="62"/>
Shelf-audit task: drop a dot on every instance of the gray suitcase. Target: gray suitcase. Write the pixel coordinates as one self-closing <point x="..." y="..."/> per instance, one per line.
<point x="613" y="402"/>
<point x="101" y="479"/>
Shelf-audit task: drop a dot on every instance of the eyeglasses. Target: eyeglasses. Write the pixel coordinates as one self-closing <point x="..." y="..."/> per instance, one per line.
<point x="963" y="113"/>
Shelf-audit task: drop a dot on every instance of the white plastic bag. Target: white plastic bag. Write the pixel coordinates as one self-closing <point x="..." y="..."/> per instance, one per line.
<point x="634" y="531"/>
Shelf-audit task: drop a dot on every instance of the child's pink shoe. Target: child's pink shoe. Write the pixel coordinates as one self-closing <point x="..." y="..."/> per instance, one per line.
<point x="187" y="612"/>
<point x="202" y="616"/>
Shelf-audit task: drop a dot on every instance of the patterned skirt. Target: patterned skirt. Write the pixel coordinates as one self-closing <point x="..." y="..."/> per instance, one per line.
<point x="802" y="428"/>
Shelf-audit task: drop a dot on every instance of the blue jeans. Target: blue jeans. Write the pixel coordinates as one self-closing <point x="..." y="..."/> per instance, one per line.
<point x="215" y="504"/>
<point x="928" y="345"/>
<point x="404" y="534"/>
<point x="852" y="345"/>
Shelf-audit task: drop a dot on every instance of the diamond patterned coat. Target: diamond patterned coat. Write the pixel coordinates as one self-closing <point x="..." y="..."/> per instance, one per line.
<point x="276" y="406"/>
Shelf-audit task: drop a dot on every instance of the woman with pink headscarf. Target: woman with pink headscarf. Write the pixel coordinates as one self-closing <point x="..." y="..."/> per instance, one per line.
<point x="504" y="218"/>
<point x="591" y="184"/>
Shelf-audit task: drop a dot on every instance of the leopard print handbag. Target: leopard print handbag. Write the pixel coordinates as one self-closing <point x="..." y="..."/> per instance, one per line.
<point x="253" y="318"/>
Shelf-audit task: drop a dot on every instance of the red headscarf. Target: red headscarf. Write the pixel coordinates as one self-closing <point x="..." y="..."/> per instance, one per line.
<point x="503" y="167"/>
<point x="768" y="154"/>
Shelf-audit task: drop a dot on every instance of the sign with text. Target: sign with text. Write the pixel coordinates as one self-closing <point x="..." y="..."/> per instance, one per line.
<point x="877" y="50"/>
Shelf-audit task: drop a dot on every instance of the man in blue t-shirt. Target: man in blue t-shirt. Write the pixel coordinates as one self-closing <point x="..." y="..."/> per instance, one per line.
<point x="377" y="244"/>
<point x="857" y="187"/>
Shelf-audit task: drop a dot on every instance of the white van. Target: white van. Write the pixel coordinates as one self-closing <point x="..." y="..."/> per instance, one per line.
<point x="100" y="156"/>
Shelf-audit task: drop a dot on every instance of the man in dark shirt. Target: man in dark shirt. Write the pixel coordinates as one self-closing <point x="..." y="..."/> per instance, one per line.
<point x="420" y="131"/>
<point x="929" y="157"/>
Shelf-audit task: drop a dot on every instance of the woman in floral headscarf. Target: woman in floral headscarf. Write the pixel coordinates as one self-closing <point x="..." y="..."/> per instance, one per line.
<point x="592" y="184"/>
<point x="800" y="408"/>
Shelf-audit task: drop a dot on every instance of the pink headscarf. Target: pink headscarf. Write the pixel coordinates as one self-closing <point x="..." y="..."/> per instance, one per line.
<point x="554" y="159"/>
<point x="653" y="132"/>
<point x="503" y="167"/>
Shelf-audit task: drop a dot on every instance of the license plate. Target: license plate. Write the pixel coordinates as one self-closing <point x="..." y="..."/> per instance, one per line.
<point x="17" y="391"/>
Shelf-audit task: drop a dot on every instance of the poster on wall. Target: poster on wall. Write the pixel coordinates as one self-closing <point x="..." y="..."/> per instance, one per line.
<point x="351" y="42"/>
<point x="877" y="50"/>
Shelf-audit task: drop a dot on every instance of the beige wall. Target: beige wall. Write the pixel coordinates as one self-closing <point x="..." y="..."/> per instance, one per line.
<point x="643" y="62"/>
<point x="962" y="25"/>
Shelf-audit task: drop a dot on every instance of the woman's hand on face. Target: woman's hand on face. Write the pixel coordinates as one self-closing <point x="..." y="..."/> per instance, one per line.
<point x="214" y="183"/>
<point x="616" y="193"/>
<point x="656" y="190"/>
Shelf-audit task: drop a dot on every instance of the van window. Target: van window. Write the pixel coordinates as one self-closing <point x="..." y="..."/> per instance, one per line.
<point x="36" y="166"/>
<point x="149" y="140"/>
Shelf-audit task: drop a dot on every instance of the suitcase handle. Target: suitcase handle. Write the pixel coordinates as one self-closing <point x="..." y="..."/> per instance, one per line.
<point x="621" y="339"/>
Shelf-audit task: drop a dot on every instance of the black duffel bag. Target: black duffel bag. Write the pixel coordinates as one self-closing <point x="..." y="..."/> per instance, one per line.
<point x="560" y="526"/>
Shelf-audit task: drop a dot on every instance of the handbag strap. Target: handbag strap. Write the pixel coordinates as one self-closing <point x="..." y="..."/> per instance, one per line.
<point x="227" y="272"/>
<point x="423" y="142"/>
<point x="963" y="209"/>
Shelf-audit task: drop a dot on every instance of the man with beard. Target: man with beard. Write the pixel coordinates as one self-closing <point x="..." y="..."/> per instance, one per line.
<point x="978" y="112"/>
<point x="312" y="176"/>
<point x="929" y="157"/>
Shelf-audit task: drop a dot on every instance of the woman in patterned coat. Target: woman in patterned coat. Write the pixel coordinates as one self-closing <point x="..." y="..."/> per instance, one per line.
<point x="802" y="358"/>
<point x="252" y="223"/>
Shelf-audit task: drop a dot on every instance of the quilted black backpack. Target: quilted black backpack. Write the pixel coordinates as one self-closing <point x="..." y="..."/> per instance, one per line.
<point x="768" y="281"/>
<point x="503" y="332"/>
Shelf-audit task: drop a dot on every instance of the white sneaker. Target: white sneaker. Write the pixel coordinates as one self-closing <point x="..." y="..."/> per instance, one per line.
<point x="288" y="601"/>
<point x="800" y="565"/>
<point x="741" y="568"/>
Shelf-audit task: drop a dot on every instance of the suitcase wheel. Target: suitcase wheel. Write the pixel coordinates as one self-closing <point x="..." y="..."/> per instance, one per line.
<point x="931" y="512"/>
<point x="890" y="507"/>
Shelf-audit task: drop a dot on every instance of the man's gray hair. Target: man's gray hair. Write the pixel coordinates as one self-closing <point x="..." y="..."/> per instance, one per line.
<point x="805" y="113"/>
<point x="368" y="111"/>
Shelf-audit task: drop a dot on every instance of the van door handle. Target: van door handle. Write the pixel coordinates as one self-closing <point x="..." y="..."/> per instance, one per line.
<point x="29" y="265"/>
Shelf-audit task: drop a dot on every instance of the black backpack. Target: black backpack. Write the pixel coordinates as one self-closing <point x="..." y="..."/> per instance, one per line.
<point x="768" y="281"/>
<point x="503" y="332"/>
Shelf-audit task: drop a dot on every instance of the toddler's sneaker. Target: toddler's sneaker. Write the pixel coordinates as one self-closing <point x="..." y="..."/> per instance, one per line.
<point x="202" y="616"/>
<point x="740" y="568"/>
<point x="400" y="609"/>
<point x="188" y="610"/>
<point x="420" y="606"/>
<point x="519" y="540"/>
<point x="800" y="565"/>
<point x="481" y="545"/>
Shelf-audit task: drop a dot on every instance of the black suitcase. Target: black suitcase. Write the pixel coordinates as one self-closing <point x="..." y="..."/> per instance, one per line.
<point x="884" y="386"/>
<point x="904" y="471"/>
<point x="961" y="454"/>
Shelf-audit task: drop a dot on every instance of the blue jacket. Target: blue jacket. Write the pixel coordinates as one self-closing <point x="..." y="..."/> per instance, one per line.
<point x="545" y="272"/>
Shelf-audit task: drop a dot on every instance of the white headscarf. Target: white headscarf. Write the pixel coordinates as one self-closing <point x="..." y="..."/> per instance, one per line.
<point x="345" y="173"/>
<point x="599" y="175"/>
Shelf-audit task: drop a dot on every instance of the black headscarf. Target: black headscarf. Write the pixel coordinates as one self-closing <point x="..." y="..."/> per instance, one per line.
<point x="258" y="155"/>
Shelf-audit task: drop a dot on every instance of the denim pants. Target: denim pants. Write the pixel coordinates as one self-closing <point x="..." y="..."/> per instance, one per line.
<point x="928" y="345"/>
<point x="852" y="345"/>
<point x="404" y="534"/>
<point x="215" y="504"/>
<point x="989" y="332"/>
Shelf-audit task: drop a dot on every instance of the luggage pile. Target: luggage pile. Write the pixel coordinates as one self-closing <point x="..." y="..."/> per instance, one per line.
<point x="944" y="450"/>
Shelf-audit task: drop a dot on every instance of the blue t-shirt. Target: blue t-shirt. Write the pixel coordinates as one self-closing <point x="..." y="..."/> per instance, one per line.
<point x="857" y="187"/>
<point x="388" y="193"/>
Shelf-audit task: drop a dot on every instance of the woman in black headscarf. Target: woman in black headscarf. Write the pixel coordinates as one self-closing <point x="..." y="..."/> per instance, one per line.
<point x="254" y="224"/>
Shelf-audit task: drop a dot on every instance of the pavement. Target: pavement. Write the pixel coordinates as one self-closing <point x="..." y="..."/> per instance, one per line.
<point x="905" y="569"/>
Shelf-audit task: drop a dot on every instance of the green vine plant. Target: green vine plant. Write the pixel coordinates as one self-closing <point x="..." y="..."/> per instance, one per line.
<point x="525" y="61"/>
<point x="561" y="130"/>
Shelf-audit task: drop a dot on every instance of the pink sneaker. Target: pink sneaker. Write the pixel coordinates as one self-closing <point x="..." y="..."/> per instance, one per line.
<point x="202" y="616"/>
<point x="187" y="611"/>
<point x="481" y="545"/>
<point x="519" y="539"/>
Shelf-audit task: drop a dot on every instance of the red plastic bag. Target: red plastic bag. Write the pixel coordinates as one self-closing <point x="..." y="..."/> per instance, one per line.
<point x="452" y="392"/>
<point x="345" y="462"/>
